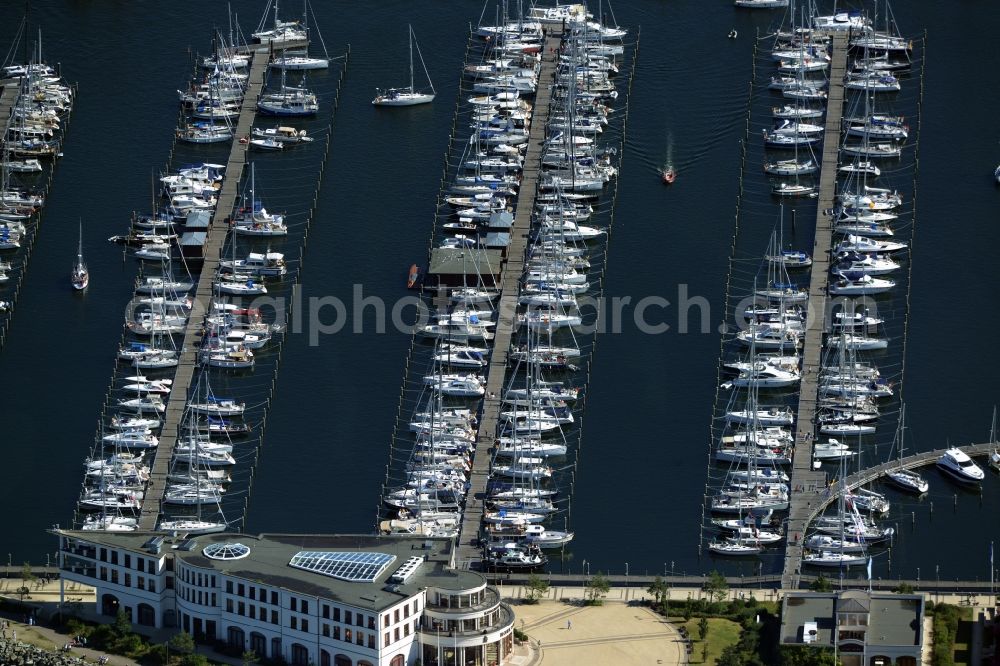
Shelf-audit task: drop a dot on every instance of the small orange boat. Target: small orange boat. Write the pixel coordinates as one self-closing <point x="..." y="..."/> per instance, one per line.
<point x="414" y="277"/>
<point x="668" y="176"/>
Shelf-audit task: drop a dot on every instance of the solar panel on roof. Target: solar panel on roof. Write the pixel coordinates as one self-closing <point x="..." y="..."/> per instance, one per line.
<point x="350" y="566"/>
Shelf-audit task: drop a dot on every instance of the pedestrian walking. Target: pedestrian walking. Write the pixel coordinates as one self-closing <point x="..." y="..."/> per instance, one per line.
<point x="569" y="624"/>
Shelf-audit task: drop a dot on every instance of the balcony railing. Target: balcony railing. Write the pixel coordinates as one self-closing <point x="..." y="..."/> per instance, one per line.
<point x="489" y="601"/>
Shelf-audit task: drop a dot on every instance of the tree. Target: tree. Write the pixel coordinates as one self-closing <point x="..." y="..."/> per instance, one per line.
<point x="597" y="588"/>
<point x="27" y="575"/>
<point x="194" y="660"/>
<point x="730" y="657"/>
<point x="181" y="643"/>
<point x="821" y="584"/>
<point x="716" y="586"/>
<point x="158" y="655"/>
<point x="903" y="588"/>
<point x="131" y="645"/>
<point x="702" y="628"/>
<point x="802" y="655"/>
<point x="659" y="589"/>
<point x="535" y="589"/>
<point x="122" y="626"/>
<point x="23" y="592"/>
<point x="250" y="657"/>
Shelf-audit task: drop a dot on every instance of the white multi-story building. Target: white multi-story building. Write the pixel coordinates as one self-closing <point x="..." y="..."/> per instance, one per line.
<point x="340" y="600"/>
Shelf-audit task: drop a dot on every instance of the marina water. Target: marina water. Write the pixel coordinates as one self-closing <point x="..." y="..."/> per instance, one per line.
<point x="641" y="473"/>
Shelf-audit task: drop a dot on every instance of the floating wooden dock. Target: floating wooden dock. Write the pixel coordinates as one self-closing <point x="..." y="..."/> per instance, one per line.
<point x="468" y="552"/>
<point x="177" y="400"/>
<point x="267" y="47"/>
<point x="806" y="482"/>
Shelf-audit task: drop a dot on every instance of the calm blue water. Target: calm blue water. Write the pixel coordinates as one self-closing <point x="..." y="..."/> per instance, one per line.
<point x="641" y="471"/>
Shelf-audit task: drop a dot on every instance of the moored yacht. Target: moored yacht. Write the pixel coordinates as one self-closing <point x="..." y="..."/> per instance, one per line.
<point x="960" y="466"/>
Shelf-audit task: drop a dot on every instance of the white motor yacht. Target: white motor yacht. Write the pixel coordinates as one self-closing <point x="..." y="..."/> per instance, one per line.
<point x="859" y="284"/>
<point x="863" y="244"/>
<point x="831" y="450"/>
<point x="960" y="466"/>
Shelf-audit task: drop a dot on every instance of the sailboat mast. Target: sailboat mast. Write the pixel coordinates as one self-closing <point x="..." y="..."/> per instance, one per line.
<point x="411" y="57"/>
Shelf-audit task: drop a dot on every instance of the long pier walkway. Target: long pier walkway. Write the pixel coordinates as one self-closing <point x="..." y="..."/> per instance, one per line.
<point x="8" y="97"/>
<point x="468" y="551"/>
<point x="806" y="483"/>
<point x="177" y="400"/>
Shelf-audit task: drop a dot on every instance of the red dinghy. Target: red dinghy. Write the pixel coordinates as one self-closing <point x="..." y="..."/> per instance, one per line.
<point x="411" y="281"/>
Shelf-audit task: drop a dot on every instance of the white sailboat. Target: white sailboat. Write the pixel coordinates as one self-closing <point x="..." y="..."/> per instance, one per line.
<point x="407" y="96"/>
<point x="81" y="276"/>
<point x="253" y="219"/>
<point x="905" y="478"/>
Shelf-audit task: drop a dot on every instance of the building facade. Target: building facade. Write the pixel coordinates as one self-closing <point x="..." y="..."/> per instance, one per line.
<point x="339" y="600"/>
<point x="865" y="628"/>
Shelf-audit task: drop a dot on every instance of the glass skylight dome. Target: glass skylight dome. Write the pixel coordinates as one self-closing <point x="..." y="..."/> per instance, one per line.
<point x="225" y="551"/>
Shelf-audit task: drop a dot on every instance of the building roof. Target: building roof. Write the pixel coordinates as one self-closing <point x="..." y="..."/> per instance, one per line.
<point x="853" y="601"/>
<point x="799" y="609"/>
<point x="465" y="261"/>
<point x="270" y="555"/>
<point x="497" y="239"/>
<point x="197" y="219"/>
<point x="895" y="620"/>
<point x="193" y="238"/>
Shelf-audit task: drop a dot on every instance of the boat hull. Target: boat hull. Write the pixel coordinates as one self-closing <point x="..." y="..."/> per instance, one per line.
<point x="414" y="99"/>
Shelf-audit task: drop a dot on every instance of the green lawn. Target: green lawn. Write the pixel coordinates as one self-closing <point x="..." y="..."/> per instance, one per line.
<point x="26" y="635"/>
<point x="721" y="634"/>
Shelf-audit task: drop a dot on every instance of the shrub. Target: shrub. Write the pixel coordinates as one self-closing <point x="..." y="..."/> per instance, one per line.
<point x="157" y="655"/>
<point x="946" y="619"/>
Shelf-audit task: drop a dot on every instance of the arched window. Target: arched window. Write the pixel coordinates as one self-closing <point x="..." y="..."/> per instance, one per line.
<point x="275" y="648"/>
<point x="258" y="644"/>
<point x="365" y="663"/>
<point x="324" y="658"/>
<point x="906" y="661"/>
<point x="398" y="660"/>
<point x="235" y="637"/>
<point x="109" y="605"/>
<point x="146" y="616"/>
<point x="342" y="660"/>
<point x="300" y="654"/>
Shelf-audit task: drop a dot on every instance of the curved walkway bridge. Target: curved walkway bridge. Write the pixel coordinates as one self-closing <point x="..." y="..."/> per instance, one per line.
<point x="812" y="501"/>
